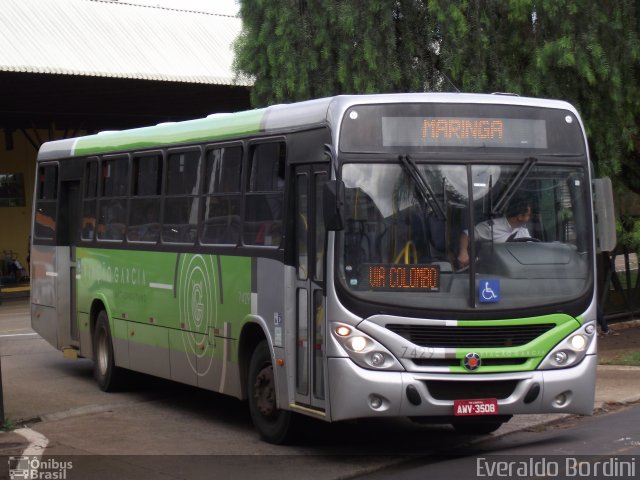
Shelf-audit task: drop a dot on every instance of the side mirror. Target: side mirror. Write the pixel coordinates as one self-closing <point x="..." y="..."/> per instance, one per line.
<point x="333" y="205"/>
<point x="604" y="216"/>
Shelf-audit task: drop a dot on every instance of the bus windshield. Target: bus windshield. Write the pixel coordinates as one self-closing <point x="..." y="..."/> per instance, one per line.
<point x="408" y="240"/>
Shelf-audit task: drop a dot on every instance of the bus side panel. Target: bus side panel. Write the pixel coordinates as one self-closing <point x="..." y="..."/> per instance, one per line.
<point x="86" y="340"/>
<point x="44" y="320"/>
<point x="182" y="359"/>
<point x="63" y="290"/>
<point x="176" y="316"/>
<point x="217" y="363"/>
<point x="43" y="271"/>
<point x="149" y="349"/>
<point x="44" y="316"/>
<point x="120" y="337"/>
<point x="269" y="303"/>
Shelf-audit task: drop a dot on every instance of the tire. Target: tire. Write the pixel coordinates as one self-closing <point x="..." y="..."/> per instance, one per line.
<point x="109" y="377"/>
<point x="273" y="424"/>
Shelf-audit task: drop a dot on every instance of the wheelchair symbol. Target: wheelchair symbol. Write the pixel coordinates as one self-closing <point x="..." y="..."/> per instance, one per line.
<point x="489" y="291"/>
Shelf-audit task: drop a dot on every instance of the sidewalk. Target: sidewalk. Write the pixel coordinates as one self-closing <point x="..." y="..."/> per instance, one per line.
<point x="618" y="383"/>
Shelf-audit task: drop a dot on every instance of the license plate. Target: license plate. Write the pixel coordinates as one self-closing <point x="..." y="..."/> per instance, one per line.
<point x="481" y="406"/>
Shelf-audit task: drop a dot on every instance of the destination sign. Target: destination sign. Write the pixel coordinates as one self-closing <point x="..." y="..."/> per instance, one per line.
<point x="391" y="277"/>
<point x="463" y="132"/>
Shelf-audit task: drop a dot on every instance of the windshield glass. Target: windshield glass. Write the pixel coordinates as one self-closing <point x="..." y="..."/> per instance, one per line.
<point x="407" y="239"/>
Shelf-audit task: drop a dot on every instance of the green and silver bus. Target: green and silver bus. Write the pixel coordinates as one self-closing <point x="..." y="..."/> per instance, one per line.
<point x="305" y="257"/>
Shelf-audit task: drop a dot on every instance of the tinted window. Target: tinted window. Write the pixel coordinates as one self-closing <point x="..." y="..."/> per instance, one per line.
<point x="112" y="216"/>
<point x="181" y="203"/>
<point x="223" y="201"/>
<point x="265" y="195"/>
<point x="45" y="213"/>
<point x="89" y="202"/>
<point x="144" y="215"/>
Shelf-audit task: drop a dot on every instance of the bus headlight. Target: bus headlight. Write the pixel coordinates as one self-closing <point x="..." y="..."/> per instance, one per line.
<point x="358" y="344"/>
<point x="578" y="342"/>
<point x="364" y="350"/>
<point x="571" y="350"/>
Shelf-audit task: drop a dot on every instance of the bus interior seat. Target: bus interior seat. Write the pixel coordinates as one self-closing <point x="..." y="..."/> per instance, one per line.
<point x="364" y="231"/>
<point x="221" y="230"/>
<point x="179" y="233"/>
<point x="145" y="232"/>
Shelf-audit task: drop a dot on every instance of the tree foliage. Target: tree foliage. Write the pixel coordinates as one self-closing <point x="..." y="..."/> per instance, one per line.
<point x="585" y="52"/>
<point x="300" y="49"/>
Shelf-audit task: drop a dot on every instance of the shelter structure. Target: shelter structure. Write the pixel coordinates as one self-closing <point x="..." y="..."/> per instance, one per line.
<point x="75" y="67"/>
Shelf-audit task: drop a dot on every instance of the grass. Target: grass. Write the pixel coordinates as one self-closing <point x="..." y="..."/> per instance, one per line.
<point x="630" y="359"/>
<point x="8" y="425"/>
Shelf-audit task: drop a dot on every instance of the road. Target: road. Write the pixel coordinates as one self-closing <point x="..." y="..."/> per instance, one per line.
<point x="159" y="429"/>
<point x="586" y="447"/>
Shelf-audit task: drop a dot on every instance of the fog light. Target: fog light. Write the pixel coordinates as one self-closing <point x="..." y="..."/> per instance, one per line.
<point x="561" y="399"/>
<point x="590" y="329"/>
<point x="377" y="359"/>
<point x="560" y="357"/>
<point x="343" y="331"/>
<point x="578" y="342"/>
<point x="375" y="401"/>
<point x="358" y="344"/>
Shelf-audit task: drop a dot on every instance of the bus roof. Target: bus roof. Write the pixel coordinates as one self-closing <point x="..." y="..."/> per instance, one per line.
<point x="273" y="119"/>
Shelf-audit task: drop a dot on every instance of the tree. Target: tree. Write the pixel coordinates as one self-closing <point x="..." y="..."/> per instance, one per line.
<point x="301" y="49"/>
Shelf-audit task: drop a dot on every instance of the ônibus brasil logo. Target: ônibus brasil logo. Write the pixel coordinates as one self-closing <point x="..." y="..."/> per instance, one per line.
<point x="32" y="467"/>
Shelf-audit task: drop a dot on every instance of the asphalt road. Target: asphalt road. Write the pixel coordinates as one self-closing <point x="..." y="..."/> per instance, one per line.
<point x="602" y="446"/>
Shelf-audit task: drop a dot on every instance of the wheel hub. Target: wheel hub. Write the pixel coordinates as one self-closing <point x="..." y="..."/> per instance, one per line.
<point x="264" y="394"/>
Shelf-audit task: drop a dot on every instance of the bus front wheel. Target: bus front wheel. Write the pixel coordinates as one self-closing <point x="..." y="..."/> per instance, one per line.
<point x="108" y="376"/>
<point x="273" y="424"/>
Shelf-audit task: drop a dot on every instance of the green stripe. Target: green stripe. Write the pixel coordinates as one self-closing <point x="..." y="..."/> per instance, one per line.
<point x="533" y="351"/>
<point x="193" y="131"/>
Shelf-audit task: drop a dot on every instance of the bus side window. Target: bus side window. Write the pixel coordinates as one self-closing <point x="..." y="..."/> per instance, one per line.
<point x="112" y="209"/>
<point x="144" y="215"/>
<point x="265" y="195"/>
<point x="222" y="196"/>
<point x="181" y="203"/>
<point x="45" y="214"/>
<point x="89" y="200"/>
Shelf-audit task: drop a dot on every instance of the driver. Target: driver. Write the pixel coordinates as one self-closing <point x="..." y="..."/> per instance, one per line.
<point x="506" y="228"/>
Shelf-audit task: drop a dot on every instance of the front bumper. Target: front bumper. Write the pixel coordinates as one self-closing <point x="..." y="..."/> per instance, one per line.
<point x="356" y="392"/>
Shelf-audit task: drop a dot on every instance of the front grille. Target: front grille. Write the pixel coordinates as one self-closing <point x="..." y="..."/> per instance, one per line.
<point x="456" y="362"/>
<point x="438" y="336"/>
<point x="452" y="390"/>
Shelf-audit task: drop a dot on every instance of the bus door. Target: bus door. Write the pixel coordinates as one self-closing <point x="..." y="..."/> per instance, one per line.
<point x="68" y="232"/>
<point x="310" y="303"/>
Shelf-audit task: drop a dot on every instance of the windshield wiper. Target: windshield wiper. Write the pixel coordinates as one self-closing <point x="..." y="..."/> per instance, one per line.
<point x="513" y="186"/>
<point x="423" y="187"/>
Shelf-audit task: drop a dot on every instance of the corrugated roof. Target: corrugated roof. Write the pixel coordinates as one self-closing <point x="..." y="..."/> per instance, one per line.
<point x="116" y="39"/>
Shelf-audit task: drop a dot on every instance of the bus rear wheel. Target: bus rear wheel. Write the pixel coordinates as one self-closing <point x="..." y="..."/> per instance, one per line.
<point x="108" y="376"/>
<point x="273" y="424"/>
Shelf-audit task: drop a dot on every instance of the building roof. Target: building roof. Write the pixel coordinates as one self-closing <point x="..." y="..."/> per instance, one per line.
<point x="116" y="39"/>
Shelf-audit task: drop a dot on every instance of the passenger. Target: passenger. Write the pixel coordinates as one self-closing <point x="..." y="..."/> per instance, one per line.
<point x="602" y="322"/>
<point x="512" y="225"/>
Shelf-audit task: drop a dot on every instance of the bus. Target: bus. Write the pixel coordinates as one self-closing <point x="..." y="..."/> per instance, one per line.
<point x="306" y="258"/>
